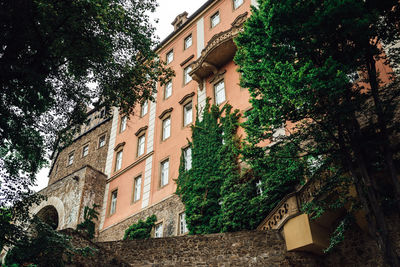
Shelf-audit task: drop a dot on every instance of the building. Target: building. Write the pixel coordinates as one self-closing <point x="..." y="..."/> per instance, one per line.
<point x="144" y="150"/>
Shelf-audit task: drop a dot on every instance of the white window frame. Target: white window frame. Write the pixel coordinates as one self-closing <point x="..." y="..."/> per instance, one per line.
<point x="137" y="191"/>
<point x="182" y="224"/>
<point x="122" y="127"/>
<point x="237" y="3"/>
<point x="164" y="173"/>
<point x="70" y="159"/>
<point x="158" y="230"/>
<point x="188" y="158"/>
<point x="168" y="90"/>
<point x="188" y="41"/>
<point x="144" y="108"/>
<point x="187" y="115"/>
<point x="187" y="78"/>
<point x="141" y="144"/>
<point x="85" y="150"/>
<point x="102" y="143"/>
<point x="113" y="204"/>
<point x="170" y="56"/>
<point x="215" y="19"/>
<point x="118" y="160"/>
<point x="166" y="128"/>
<point x="219" y="92"/>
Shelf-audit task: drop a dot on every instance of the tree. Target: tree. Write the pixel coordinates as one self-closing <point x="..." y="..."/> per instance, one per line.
<point x="49" y="53"/>
<point x="298" y="59"/>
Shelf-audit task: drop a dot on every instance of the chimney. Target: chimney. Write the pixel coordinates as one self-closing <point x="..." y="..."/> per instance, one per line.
<point x="179" y="20"/>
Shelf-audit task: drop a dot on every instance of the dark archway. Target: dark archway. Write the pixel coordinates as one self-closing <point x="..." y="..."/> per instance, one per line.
<point x="49" y="215"/>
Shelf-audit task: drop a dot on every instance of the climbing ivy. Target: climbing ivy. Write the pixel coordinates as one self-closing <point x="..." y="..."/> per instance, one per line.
<point x="88" y="225"/>
<point x="141" y="229"/>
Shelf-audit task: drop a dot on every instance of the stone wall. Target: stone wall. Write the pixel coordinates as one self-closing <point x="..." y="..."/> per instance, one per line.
<point x="250" y="248"/>
<point x="96" y="157"/>
<point x="166" y="211"/>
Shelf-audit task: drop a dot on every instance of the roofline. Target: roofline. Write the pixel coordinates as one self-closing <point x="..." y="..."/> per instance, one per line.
<point x="188" y="21"/>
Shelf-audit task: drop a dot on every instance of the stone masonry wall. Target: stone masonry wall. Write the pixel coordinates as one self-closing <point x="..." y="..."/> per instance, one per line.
<point x="166" y="211"/>
<point x="96" y="157"/>
<point x="250" y="248"/>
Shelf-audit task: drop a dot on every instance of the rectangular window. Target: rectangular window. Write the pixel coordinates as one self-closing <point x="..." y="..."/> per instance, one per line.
<point x="187" y="114"/>
<point x="102" y="140"/>
<point x="113" y="205"/>
<point x="137" y="189"/>
<point x="85" y="150"/>
<point x="182" y="224"/>
<point x="188" y="41"/>
<point x="170" y="56"/>
<point x="219" y="89"/>
<point x="118" y="162"/>
<point x="187" y="154"/>
<point x="215" y="19"/>
<point x="259" y="187"/>
<point x="187" y="77"/>
<point x="166" y="124"/>
<point x="164" y="172"/>
<point x="158" y="230"/>
<point x="70" y="159"/>
<point x="123" y="124"/>
<point x="141" y="142"/>
<point x="168" y="90"/>
<point x="144" y="108"/>
<point x="237" y="3"/>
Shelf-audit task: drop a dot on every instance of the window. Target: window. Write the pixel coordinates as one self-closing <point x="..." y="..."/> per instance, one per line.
<point x="186" y="76"/>
<point x="102" y="140"/>
<point x="145" y="107"/>
<point x="168" y="90"/>
<point x="215" y="19"/>
<point x="219" y="89"/>
<point x="237" y="3"/>
<point x="164" y="172"/>
<point x="103" y="113"/>
<point x="123" y="124"/>
<point x="118" y="162"/>
<point x="113" y="205"/>
<point x="187" y="114"/>
<point x="158" y="230"/>
<point x="188" y="42"/>
<point x="182" y="224"/>
<point x="170" y="56"/>
<point x="71" y="158"/>
<point x="141" y="141"/>
<point x="166" y="126"/>
<point x="85" y="151"/>
<point x="137" y="188"/>
<point x="187" y="154"/>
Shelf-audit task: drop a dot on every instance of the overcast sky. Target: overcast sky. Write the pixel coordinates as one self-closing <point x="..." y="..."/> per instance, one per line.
<point x="165" y="13"/>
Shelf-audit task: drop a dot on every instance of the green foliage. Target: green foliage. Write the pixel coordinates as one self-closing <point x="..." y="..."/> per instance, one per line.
<point x="297" y="59"/>
<point x="141" y="229"/>
<point x="217" y="196"/>
<point x="88" y="225"/>
<point x="44" y="247"/>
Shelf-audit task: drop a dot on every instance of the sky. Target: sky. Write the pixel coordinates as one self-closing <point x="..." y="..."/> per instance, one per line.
<point x="166" y="12"/>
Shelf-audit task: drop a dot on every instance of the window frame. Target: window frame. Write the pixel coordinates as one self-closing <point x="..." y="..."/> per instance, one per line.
<point x="163" y="123"/>
<point x="137" y="197"/>
<point x="236" y="7"/>
<point x="180" y="232"/>
<point x="70" y="156"/>
<point x="155" y="230"/>
<point x="113" y="204"/>
<point x="123" y="123"/>
<point x="83" y="150"/>
<point x="143" y="111"/>
<point x="165" y="89"/>
<point x="99" y="140"/>
<point x="170" y="52"/>
<point x="117" y="166"/>
<point x="215" y="92"/>
<point x="144" y="144"/>
<point x="186" y="159"/>
<point x="216" y="14"/>
<point x="162" y="175"/>
<point x="185" y="123"/>
<point x="186" y="77"/>
<point x="189" y="37"/>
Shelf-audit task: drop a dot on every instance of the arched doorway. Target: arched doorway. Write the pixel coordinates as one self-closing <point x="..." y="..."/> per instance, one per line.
<point x="49" y="215"/>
